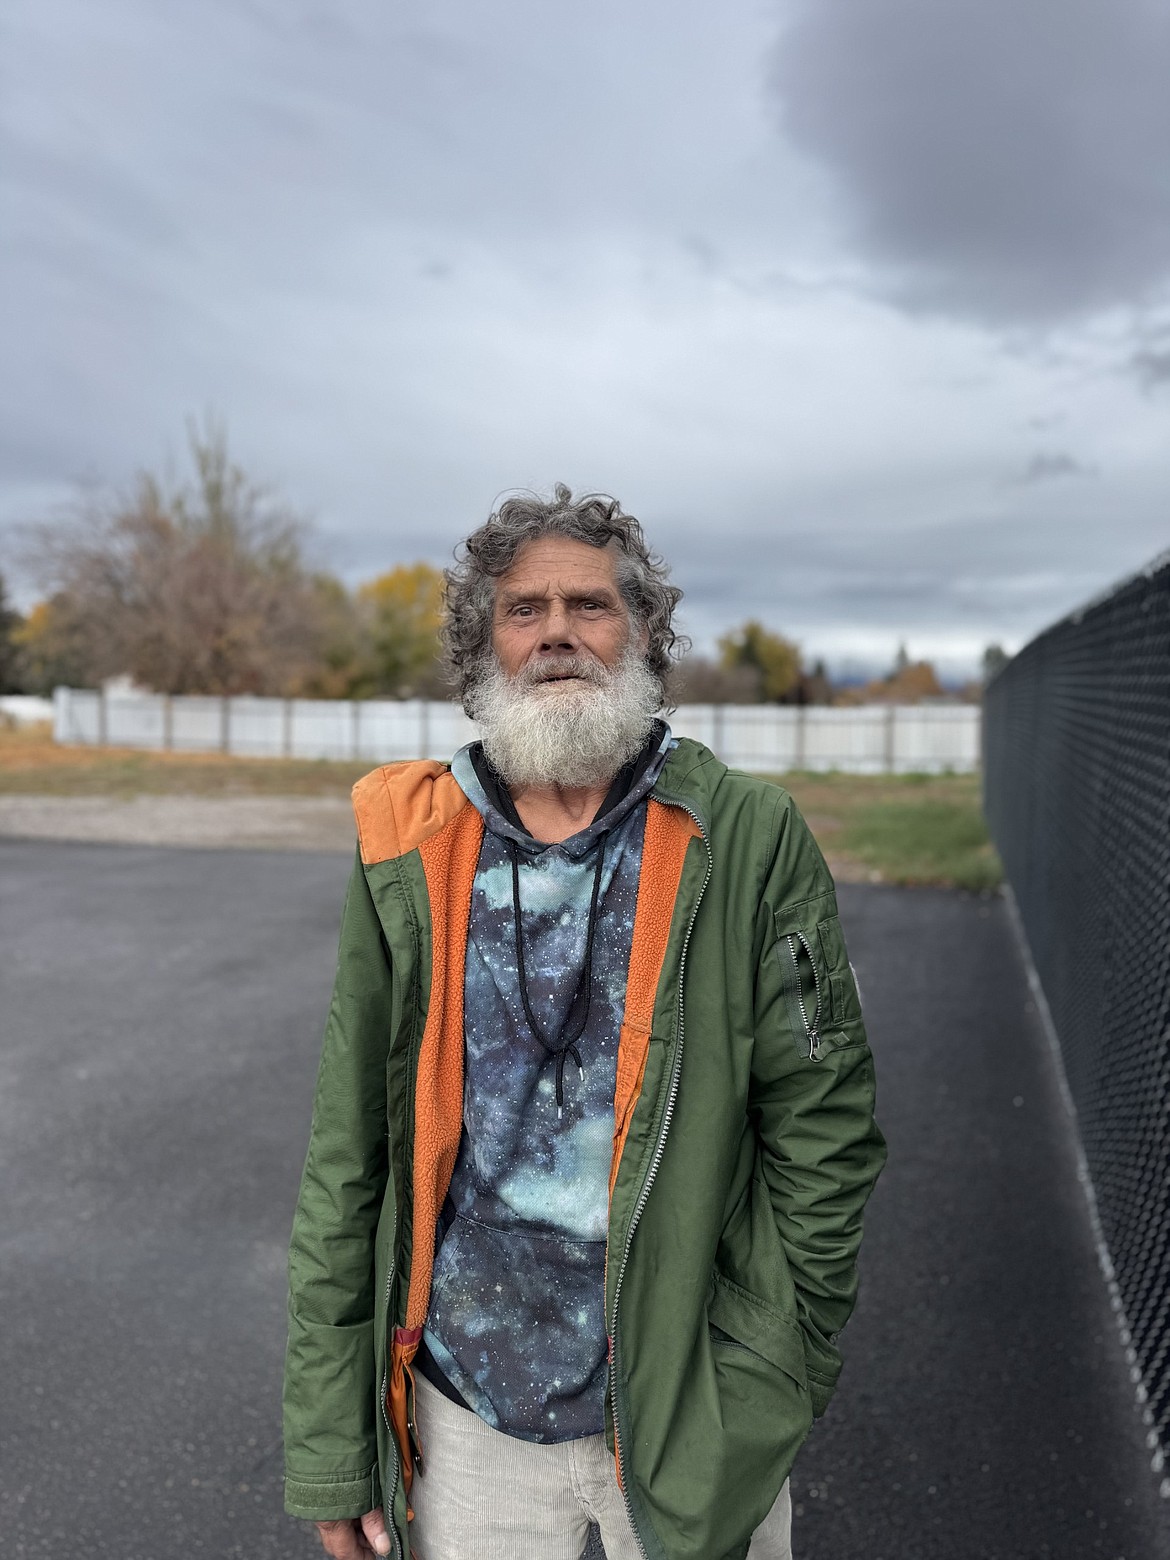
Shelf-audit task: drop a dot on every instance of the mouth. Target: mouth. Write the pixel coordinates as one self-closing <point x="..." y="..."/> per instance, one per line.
<point x="567" y="672"/>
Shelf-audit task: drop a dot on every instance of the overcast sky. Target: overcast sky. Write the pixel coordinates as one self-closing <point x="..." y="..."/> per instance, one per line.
<point x="862" y="308"/>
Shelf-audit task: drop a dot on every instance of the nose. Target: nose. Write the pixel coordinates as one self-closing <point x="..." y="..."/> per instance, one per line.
<point x="558" y="629"/>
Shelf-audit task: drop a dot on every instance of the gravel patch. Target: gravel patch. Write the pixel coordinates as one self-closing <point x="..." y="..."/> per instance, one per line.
<point x="321" y="823"/>
<point x="226" y="823"/>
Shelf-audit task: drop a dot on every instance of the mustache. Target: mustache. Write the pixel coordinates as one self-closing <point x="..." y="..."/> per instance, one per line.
<point x="552" y="668"/>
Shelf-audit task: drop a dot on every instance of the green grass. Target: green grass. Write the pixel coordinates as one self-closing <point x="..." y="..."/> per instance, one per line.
<point x="31" y="763"/>
<point x="923" y="842"/>
<point x="914" y="829"/>
<point x="887" y="828"/>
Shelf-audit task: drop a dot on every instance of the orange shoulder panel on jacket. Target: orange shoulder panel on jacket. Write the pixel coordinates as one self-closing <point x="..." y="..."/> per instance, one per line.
<point x="400" y="805"/>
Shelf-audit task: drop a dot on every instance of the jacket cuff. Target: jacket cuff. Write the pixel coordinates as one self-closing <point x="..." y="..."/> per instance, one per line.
<point x="338" y="1498"/>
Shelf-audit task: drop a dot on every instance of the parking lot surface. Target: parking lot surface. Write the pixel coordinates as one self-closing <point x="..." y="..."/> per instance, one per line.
<point x="160" y="1018"/>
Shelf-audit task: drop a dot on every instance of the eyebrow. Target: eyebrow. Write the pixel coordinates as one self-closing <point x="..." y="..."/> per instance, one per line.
<point x="513" y="598"/>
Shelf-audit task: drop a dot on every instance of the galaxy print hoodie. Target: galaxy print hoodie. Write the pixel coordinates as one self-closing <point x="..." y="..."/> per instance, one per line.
<point x="516" y="1324"/>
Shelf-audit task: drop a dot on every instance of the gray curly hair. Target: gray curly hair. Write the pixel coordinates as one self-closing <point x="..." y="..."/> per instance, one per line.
<point x="489" y="552"/>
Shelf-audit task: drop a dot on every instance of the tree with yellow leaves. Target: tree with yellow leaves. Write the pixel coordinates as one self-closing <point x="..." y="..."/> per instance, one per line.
<point x="11" y="623"/>
<point x="401" y="612"/>
<point x="774" y="660"/>
<point x="51" y="646"/>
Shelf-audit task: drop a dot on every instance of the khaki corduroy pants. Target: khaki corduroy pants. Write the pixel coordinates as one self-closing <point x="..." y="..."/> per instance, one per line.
<point x="482" y="1495"/>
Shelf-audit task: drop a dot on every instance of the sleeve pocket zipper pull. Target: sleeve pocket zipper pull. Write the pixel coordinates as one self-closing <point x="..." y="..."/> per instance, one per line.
<point x="811" y="1025"/>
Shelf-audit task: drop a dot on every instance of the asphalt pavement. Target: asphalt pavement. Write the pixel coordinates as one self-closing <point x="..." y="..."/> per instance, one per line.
<point x="160" y="1018"/>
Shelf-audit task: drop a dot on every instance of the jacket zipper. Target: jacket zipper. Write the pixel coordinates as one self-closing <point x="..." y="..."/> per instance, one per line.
<point x="388" y="1505"/>
<point x="812" y="1029"/>
<point x="655" y="1161"/>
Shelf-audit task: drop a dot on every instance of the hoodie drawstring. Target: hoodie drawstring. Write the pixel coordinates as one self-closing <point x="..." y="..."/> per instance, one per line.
<point x="583" y="994"/>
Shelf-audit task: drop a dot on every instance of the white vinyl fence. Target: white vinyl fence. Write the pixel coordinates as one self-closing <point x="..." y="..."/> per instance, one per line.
<point x="24" y="709"/>
<point x="865" y="739"/>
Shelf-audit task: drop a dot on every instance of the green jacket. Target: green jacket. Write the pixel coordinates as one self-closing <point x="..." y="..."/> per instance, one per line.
<point x="744" y="1151"/>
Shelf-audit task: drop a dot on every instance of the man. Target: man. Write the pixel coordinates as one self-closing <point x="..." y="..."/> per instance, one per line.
<point x="593" y="1127"/>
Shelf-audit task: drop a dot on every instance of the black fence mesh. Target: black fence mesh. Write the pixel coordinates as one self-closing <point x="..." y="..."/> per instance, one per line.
<point x="1077" y="793"/>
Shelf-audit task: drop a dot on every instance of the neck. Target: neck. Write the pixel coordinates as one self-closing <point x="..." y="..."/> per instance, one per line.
<point x="552" y="813"/>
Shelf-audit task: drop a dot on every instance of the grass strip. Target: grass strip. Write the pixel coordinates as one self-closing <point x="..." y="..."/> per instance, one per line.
<point x="910" y="829"/>
<point x="31" y="763"/>
<point x="924" y="829"/>
<point x="923" y="841"/>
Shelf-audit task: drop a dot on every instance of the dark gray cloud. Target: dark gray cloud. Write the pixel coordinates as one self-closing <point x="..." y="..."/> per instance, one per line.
<point x="1153" y="366"/>
<point x="418" y="254"/>
<point x="1052" y="466"/>
<point x="1002" y="159"/>
<point x="949" y="586"/>
<point x="1150" y="360"/>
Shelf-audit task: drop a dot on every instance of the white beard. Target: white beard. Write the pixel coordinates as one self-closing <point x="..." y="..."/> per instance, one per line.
<point x="538" y="732"/>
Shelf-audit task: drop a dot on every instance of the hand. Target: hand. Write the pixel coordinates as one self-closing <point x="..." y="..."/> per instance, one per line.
<point x="353" y="1540"/>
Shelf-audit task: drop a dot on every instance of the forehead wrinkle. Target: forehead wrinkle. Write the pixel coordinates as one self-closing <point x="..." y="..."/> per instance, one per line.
<point x="510" y="595"/>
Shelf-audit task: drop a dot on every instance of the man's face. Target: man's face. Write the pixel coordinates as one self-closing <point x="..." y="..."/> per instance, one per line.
<point x="560" y="598"/>
<point x="565" y="698"/>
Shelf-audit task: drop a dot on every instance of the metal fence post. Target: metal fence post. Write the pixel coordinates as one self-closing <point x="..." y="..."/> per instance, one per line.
<point x="799" y="742"/>
<point x="286" y="729"/>
<point x="103" y="719"/>
<point x="168" y="722"/>
<point x="891" y="717"/>
<point x="225" y="728"/>
<point x="355" y="727"/>
<point x="424" y="728"/>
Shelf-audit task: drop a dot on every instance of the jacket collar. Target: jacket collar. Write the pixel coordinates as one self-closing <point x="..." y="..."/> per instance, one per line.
<point x="690" y="778"/>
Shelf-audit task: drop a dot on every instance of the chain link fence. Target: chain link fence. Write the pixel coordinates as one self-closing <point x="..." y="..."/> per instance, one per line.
<point x="1077" y="793"/>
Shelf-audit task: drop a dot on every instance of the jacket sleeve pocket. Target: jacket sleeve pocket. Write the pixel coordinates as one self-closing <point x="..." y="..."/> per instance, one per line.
<point x="824" y="1008"/>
